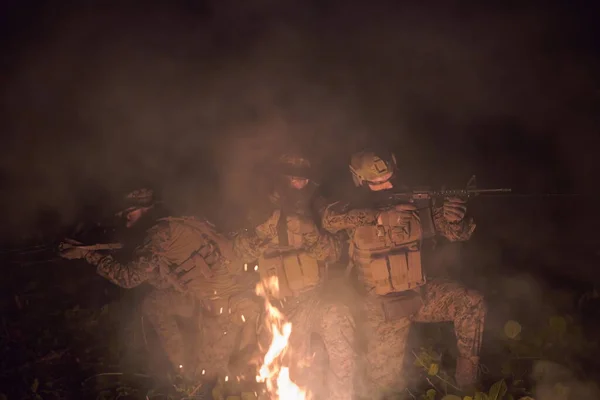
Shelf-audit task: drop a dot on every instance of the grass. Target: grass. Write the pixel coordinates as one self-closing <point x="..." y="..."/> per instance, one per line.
<point x="65" y="333"/>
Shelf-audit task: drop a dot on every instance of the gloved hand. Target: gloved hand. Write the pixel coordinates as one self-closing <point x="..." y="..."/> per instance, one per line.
<point x="398" y="215"/>
<point x="455" y="209"/>
<point x="73" y="253"/>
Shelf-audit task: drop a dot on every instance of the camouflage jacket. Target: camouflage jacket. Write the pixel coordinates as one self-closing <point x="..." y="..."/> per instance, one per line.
<point x="180" y="253"/>
<point x="250" y="244"/>
<point x="340" y="216"/>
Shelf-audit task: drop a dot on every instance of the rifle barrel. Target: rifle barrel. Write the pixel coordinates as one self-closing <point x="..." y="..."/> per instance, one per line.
<point x="500" y="190"/>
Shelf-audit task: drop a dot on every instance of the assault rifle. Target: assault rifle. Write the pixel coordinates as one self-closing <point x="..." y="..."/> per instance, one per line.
<point x="70" y="243"/>
<point x="418" y="195"/>
<point x="422" y="199"/>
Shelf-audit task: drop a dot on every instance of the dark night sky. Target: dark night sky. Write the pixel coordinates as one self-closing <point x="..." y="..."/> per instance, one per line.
<point x="194" y="95"/>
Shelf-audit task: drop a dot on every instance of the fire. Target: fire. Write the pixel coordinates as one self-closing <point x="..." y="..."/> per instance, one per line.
<point x="273" y="372"/>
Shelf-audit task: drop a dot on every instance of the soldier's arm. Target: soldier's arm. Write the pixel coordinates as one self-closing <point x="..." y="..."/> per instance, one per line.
<point x="145" y="266"/>
<point x="249" y="244"/>
<point x="455" y="232"/>
<point x="324" y="246"/>
<point x="338" y="217"/>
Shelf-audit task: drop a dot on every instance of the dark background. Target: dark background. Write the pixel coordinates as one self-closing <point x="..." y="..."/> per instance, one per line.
<point x="193" y="96"/>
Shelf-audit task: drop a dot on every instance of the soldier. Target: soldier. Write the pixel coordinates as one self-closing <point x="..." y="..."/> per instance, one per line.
<point x="385" y="247"/>
<point x="290" y="246"/>
<point x="195" y="274"/>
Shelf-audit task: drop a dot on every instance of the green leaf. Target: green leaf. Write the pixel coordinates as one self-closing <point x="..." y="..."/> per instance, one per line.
<point x="430" y="394"/>
<point x="433" y="369"/>
<point x="498" y="390"/>
<point x="35" y="385"/>
<point x="512" y="329"/>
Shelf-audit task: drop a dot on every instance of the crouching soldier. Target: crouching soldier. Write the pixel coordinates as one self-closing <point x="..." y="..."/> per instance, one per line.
<point x="195" y="274"/>
<point x="385" y="247"/>
<point x="289" y="245"/>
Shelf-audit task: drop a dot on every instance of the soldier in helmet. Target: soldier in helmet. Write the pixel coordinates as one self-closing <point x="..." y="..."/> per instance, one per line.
<point x="289" y="244"/>
<point x="195" y="274"/>
<point x="386" y="241"/>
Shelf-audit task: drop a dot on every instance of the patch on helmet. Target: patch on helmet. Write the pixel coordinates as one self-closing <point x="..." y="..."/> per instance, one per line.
<point x="379" y="165"/>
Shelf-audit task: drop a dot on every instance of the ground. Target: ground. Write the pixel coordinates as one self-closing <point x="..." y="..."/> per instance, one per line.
<point x="65" y="333"/>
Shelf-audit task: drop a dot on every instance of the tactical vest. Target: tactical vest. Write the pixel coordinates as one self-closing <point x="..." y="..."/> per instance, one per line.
<point x="297" y="272"/>
<point x="389" y="257"/>
<point x="197" y="259"/>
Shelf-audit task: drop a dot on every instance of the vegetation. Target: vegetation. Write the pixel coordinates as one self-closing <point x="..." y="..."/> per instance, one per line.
<point x="65" y="333"/>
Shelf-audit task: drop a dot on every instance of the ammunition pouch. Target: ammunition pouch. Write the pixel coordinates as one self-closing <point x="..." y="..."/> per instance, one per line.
<point x="295" y="270"/>
<point x="401" y="305"/>
<point x="391" y="272"/>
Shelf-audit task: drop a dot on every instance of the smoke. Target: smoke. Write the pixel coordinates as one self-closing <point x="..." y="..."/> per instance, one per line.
<point x="555" y="382"/>
<point x="196" y="104"/>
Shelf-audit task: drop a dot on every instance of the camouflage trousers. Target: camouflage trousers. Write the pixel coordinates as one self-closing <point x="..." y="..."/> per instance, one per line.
<point x="322" y="340"/>
<point x="386" y="340"/>
<point x="217" y="336"/>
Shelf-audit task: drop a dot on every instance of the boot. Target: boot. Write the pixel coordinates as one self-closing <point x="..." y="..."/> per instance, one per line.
<point x="466" y="371"/>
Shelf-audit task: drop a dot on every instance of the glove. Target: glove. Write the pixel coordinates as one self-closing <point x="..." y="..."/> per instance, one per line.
<point x="398" y="215"/>
<point x="454" y="209"/>
<point x="300" y="225"/>
<point x="73" y="253"/>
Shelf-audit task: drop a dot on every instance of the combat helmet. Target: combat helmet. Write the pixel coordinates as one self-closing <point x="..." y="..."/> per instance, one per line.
<point x="369" y="166"/>
<point x="294" y="164"/>
<point x="137" y="198"/>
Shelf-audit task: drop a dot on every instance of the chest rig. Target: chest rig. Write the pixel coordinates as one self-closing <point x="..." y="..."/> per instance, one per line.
<point x="196" y="258"/>
<point x="388" y="257"/>
<point x="297" y="271"/>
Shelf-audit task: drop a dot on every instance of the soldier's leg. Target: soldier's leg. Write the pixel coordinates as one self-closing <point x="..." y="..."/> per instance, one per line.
<point x="450" y="301"/>
<point x="302" y="313"/>
<point x="337" y="330"/>
<point x="245" y="312"/>
<point x="226" y="333"/>
<point x="160" y="308"/>
<point x="241" y="354"/>
<point x="385" y="350"/>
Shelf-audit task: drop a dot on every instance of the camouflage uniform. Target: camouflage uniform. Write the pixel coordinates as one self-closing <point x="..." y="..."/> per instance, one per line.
<point x="195" y="275"/>
<point x="303" y="304"/>
<point x="385" y="330"/>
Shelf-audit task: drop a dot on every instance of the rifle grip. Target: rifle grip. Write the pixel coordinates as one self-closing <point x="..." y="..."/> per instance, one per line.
<point x="426" y="217"/>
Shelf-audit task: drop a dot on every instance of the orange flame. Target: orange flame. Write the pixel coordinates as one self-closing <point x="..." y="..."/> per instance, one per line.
<point x="273" y="371"/>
